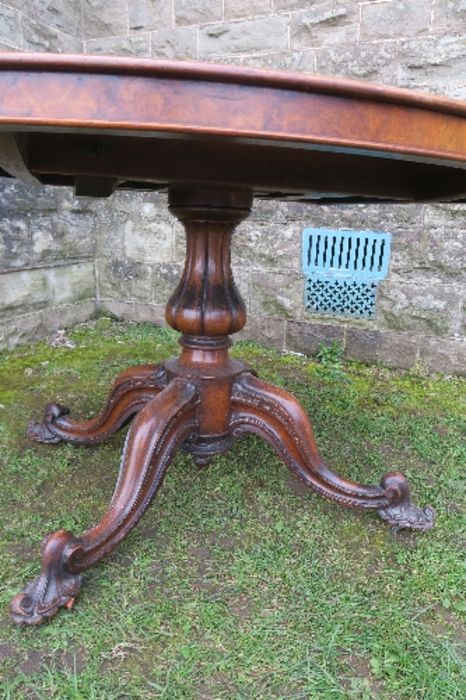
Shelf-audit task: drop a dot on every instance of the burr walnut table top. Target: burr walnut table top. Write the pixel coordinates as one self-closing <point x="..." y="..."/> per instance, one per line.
<point x="102" y="123"/>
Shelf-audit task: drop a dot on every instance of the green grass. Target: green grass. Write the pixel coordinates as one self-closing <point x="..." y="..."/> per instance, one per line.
<point x="238" y="583"/>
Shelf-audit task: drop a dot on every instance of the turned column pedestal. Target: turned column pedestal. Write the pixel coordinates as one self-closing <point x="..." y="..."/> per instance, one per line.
<point x="199" y="402"/>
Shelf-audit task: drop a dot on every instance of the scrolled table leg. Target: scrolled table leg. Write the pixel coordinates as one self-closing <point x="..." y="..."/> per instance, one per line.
<point x="132" y="389"/>
<point x="277" y="416"/>
<point x="156" y="433"/>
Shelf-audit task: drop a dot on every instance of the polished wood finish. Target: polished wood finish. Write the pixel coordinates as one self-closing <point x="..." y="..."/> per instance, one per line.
<point x="215" y="136"/>
<point x="142" y="123"/>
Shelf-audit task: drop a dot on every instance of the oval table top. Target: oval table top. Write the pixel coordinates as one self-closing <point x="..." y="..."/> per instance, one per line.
<point x="101" y="123"/>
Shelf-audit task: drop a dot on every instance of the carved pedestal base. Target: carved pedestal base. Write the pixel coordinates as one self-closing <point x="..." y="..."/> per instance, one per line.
<point x="200" y="402"/>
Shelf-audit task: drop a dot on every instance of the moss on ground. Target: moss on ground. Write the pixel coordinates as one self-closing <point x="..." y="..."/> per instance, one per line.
<point x="238" y="583"/>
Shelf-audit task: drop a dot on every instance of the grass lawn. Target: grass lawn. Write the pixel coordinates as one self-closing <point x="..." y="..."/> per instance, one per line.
<point x="238" y="582"/>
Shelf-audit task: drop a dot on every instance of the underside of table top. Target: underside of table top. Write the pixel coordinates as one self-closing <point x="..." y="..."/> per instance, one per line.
<point x="101" y="123"/>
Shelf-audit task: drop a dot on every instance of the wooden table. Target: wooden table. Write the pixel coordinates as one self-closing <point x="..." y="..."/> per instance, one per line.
<point x="215" y="137"/>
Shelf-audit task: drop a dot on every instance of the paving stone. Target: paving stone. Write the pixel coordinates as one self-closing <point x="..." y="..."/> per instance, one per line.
<point x="331" y="22"/>
<point x="248" y="36"/>
<point x="197" y="11"/>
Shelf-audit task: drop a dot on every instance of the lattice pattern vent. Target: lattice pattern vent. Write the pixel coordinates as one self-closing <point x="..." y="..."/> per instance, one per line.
<point x="343" y="268"/>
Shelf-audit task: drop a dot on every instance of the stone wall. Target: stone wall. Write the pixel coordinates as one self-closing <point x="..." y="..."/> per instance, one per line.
<point x="413" y="43"/>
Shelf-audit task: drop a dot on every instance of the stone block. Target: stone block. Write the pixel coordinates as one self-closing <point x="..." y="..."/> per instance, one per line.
<point x="268" y="246"/>
<point x="449" y="17"/>
<point x="262" y="329"/>
<point x="23" y="291"/>
<point x="5" y="46"/>
<point x="332" y="22"/>
<point x="104" y="18"/>
<point x="395" y="18"/>
<point x="442" y="355"/>
<point x="429" y="255"/>
<point x="148" y="240"/>
<point x="307" y="336"/>
<point x="375" y="62"/>
<point x="236" y="9"/>
<point x="165" y="279"/>
<point x="287" y="5"/>
<point x="68" y="315"/>
<point x="26" y="328"/>
<point x="364" y="217"/>
<point x="433" y="62"/>
<point x="72" y="283"/>
<point x="180" y="43"/>
<point x="423" y="309"/>
<point x="40" y="37"/>
<point x="391" y="349"/>
<point x="241" y="279"/>
<point x="17" y="197"/>
<point x="62" y="236"/>
<point x="180" y="242"/>
<point x="10" y="26"/>
<point x="197" y="11"/>
<point x="276" y="294"/>
<point x="283" y="60"/>
<point x="131" y="45"/>
<point x="149" y="313"/>
<point x="63" y="15"/>
<point x="119" y="309"/>
<point x="248" y="36"/>
<point x="122" y="280"/>
<point x="15" y="247"/>
<point x="149" y="14"/>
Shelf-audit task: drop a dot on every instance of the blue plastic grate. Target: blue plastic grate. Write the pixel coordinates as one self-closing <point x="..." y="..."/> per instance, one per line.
<point x="343" y="268"/>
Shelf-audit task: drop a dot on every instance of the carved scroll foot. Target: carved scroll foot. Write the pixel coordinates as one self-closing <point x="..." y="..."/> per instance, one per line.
<point x="276" y="415"/>
<point x="130" y="392"/>
<point x="401" y="513"/>
<point x="54" y="588"/>
<point x="160" y="427"/>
